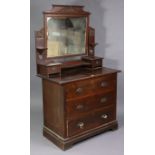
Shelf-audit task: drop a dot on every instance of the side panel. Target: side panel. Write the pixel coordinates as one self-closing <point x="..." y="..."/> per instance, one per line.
<point x="53" y="103"/>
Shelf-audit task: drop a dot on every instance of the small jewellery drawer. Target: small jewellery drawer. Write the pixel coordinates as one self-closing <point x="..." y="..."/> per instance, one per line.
<point x="93" y="61"/>
<point x="91" y="121"/>
<point x="90" y="86"/>
<point x="86" y="104"/>
<point x="97" y="63"/>
<point x="54" y="69"/>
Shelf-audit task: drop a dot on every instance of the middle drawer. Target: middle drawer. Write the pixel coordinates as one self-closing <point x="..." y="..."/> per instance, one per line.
<point x="86" y="104"/>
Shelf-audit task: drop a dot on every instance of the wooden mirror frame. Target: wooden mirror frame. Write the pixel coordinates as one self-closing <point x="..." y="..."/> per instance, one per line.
<point x="66" y="11"/>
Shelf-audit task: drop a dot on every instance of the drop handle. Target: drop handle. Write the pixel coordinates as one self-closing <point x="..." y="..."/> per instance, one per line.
<point x="104" y="116"/>
<point x="79" y="107"/>
<point x="103" y="100"/>
<point x="104" y="84"/>
<point x="80" y="125"/>
<point x="79" y="90"/>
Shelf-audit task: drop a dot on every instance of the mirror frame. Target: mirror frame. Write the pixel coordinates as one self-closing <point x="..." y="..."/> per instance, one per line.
<point x="66" y="11"/>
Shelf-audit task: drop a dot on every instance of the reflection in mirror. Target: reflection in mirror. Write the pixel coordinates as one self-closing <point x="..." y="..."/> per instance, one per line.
<point x="66" y="36"/>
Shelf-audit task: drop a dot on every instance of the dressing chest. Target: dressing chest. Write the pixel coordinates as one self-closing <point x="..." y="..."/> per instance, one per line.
<point x="79" y="94"/>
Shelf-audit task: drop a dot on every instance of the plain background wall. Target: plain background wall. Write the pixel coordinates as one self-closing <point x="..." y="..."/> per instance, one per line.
<point x="107" y="19"/>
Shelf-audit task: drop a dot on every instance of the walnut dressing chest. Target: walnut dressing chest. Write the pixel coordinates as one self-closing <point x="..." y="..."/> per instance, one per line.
<point x="79" y="94"/>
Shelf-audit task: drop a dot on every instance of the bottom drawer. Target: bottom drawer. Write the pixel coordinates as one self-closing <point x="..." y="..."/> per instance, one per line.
<point x="91" y="121"/>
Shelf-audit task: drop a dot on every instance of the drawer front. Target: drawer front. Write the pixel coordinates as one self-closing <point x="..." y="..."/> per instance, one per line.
<point x="91" y="121"/>
<point x="82" y="105"/>
<point x="90" y="86"/>
<point x="97" y="63"/>
<point x="54" y="69"/>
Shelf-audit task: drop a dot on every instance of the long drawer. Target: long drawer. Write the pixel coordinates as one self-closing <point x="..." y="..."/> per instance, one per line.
<point x="89" y="86"/>
<point x="91" y="121"/>
<point x="83" y="105"/>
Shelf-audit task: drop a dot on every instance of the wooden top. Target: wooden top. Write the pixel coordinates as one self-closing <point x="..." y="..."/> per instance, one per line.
<point x="91" y="58"/>
<point x="80" y="75"/>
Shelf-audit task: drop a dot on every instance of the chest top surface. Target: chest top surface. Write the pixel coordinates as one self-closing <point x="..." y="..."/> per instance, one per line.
<point x="77" y="75"/>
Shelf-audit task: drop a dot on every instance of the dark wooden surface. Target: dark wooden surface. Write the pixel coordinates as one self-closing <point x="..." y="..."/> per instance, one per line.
<point x="79" y="74"/>
<point x="82" y="105"/>
<point x="77" y="108"/>
<point x="91" y="120"/>
<point x="53" y="104"/>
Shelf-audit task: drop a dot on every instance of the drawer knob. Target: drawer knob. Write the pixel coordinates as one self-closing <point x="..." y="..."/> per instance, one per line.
<point x="80" y="125"/>
<point x="104" y="84"/>
<point x="103" y="100"/>
<point x="104" y="116"/>
<point x="97" y="62"/>
<point x="79" y="107"/>
<point x="53" y="69"/>
<point x="79" y="90"/>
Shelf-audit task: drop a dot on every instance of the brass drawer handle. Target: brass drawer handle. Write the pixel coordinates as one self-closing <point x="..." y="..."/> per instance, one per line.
<point x="80" y="125"/>
<point x="79" y="90"/>
<point x="79" y="107"/>
<point x="103" y="100"/>
<point x="104" y="84"/>
<point x="104" y="116"/>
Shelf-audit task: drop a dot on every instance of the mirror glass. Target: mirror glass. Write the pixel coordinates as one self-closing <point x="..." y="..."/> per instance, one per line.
<point x="66" y="36"/>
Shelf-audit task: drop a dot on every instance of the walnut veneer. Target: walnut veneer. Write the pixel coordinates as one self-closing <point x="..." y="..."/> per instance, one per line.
<point x="78" y="106"/>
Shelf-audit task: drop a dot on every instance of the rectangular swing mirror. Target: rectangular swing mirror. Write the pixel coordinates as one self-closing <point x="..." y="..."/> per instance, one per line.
<point x="66" y="36"/>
